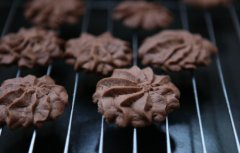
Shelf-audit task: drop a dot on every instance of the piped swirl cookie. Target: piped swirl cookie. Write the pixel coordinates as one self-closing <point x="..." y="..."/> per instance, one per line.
<point x="136" y="97"/>
<point x="30" y="47"/>
<point x="30" y="101"/>
<point x="142" y="14"/>
<point x="100" y="54"/>
<point x="54" y="13"/>
<point x="176" y="50"/>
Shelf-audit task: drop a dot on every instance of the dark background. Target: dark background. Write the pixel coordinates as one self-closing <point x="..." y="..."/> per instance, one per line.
<point x="184" y="127"/>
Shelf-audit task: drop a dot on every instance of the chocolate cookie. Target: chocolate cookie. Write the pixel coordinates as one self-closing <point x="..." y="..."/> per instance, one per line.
<point x="54" y="13"/>
<point x="207" y="3"/>
<point x="176" y="50"/>
<point x="30" y="47"/>
<point x="142" y="14"/>
<point x="136" y="97"/>
<point x="101" y="54"/>
<point x="31" y="101"/>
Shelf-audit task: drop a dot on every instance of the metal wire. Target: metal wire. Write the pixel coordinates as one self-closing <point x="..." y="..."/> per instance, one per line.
<point x="49" y="70"/>
<point x="100" y="150"/>
<point x="8" y="22"/>
<point x="66" y="147"/>
<point x="210" y="28"/>
<point x="135" y="150"/>
<point x="169" y="150"/>
<point x="18" y="73"/>
<point x="234" y="17"/>
<point x="199" y="113"/>
<point x="135" y="51"/>
<point x="84" y="29"/>
<point x="109" y="29"/>
<point x="34" y="135"/>
<point x="11" y="14"/>
<point x="30" y="150"/>
<point x="10" y="17"/>
<point x="185" y="24"/>
<point x="134" y="48"/>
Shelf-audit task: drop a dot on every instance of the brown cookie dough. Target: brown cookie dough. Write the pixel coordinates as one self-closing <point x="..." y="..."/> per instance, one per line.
<point x="176" y="50"/>
<point x="207" y="3"/>
<point x="142" y="14"/>
<point x="101" y="54"/>
<point x="30" y="47"/>
<point x="54" y="13"/>
<point x="136" y="97"/>
<point x="31" y="101"/>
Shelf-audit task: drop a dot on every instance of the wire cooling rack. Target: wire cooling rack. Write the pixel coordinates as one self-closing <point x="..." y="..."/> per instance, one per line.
<point x="208" y="120"/>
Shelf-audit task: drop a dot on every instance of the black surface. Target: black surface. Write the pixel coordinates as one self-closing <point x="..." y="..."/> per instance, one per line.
<point x="184" y="127"/>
